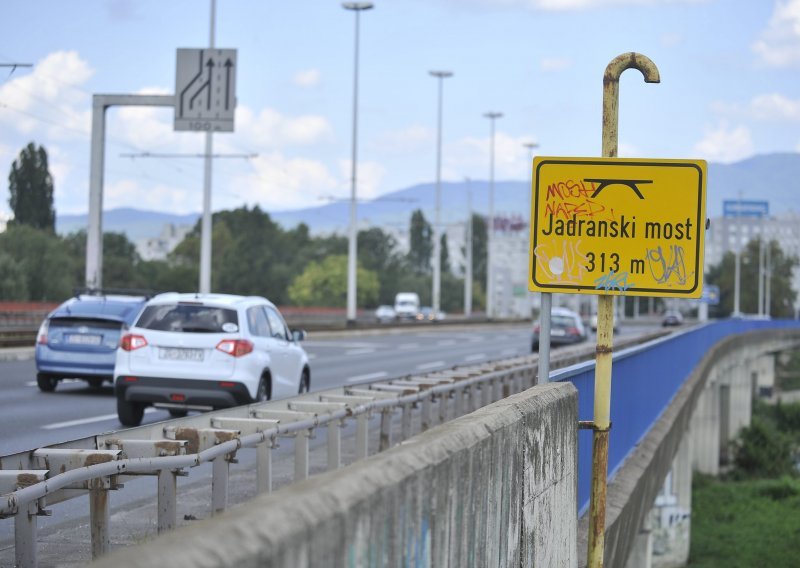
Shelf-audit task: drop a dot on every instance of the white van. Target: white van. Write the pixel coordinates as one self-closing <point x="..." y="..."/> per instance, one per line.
<point x="406" y="305"/>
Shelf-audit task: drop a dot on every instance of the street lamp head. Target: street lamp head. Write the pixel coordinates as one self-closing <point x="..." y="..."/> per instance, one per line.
<point x="530" y="145"/>
<point x="441" y="74"/>
<point x="357" y="5"/>
<point x="493" y="115"/>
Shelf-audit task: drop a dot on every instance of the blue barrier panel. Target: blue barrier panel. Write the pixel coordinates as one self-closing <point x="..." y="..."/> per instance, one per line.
<point x="644" y="381"/>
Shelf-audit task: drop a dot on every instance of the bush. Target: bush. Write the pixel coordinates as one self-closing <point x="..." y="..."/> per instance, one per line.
<point x="762" y="451"/>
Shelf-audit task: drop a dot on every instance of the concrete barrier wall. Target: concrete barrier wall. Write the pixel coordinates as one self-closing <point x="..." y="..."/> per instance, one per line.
<point x="497" y="487"/>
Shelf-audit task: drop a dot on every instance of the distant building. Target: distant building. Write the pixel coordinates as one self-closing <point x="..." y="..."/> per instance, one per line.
<point x="159" y="247"/>
<point x="732" y="233"/>
<point x="4" y="219"/>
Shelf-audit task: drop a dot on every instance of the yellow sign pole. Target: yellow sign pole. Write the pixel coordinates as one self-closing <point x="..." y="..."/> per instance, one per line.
<point x="605" y="316"/>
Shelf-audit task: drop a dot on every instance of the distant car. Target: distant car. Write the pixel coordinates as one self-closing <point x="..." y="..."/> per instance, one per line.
<point x="385" y="314"/>
<point x="406" y="305"/>
<point x="672" y="317"/>
<point x="207" y="351"/>
<point x="79" y="339"/>
<point x="426" y="313"/>
<point x="593" y="323"/>
<point x="566" y="327"/>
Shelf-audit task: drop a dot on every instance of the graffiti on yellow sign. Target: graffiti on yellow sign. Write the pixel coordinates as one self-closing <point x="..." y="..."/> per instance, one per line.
<point x="620" y="226"/>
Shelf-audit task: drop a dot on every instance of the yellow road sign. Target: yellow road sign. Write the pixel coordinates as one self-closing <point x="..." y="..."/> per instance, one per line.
<point x="618" y="226"/>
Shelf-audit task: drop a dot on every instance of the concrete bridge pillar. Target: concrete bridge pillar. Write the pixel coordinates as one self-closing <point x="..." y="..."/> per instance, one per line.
<point x="705" y="427"/>
<point x="641" y="555"/>
<point x="672" y="512"/>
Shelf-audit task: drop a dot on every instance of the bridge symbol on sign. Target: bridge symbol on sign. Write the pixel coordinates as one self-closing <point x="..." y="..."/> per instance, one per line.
<point x="205" y="89"/>
<point x="631" y="183"/>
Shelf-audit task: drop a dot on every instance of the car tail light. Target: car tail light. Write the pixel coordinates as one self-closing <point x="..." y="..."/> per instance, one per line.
<point x="227" y="384"/>
<point x="177" y="397"/>
<point x="41" y="336"/>
<point x="573" y="331"/>
<point x="130" y="379"/>
<point x="235" y="347"/>
<point x="536" y="328"/>
<point x="131" y="342"/>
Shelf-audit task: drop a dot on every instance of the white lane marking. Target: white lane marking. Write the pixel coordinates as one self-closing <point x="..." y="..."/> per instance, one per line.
<point x="368" y="377"/>
<point x="430" y="365"/>
<point x="447" y="342"/>
<point x="359" y="351"/>
<point x="103" y="418"/>
<point x="475" y="357"/>
<point x="408" y="346"/>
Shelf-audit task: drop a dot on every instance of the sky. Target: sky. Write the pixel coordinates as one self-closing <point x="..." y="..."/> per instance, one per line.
<point x="730" y="89"/>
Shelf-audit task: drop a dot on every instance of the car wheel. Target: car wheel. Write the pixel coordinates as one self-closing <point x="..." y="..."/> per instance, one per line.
<point x="177" y="412"/>
<point x="264" y="392"/>
<point x="46" y="383"/>
<point x="95" y="383"/>
<point x="129" y="413"/>
<point x="305" y="382"/>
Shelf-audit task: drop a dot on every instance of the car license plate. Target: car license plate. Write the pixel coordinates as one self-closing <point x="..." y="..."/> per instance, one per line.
<point x="83" y="339"/>
<point x="180" y="354"/>
<point x="557" y="332"/>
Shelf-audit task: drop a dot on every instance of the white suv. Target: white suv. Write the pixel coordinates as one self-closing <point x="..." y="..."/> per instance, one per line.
<point x="206" y="351"/>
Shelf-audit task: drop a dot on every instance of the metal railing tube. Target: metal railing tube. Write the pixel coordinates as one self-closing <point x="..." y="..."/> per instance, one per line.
<point x="362" y="434"/>
<point x="386" y="428"/>
<point x="220" y="471"/>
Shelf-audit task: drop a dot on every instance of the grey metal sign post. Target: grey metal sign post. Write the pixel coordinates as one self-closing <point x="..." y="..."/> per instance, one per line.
<point x="94" y="235"/>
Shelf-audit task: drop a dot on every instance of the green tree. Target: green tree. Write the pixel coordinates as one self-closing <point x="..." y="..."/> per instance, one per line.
<point x="325" y="284"/>
<point x="479" y="248"/>
<point x="420" y="243"/>
<point x="444" y="256"/>
<point x="44" y="261"/>
<point x="30" y="188"/>
<point x="12" y="280"/>
<point x="377" y="251"/>
<point x="782" y="296"/>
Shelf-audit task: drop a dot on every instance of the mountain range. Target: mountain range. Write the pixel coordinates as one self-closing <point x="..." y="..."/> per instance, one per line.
<point x="770" y="177"/>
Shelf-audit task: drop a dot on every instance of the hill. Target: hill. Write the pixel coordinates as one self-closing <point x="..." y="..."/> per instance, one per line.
<point x="771" y="177"/>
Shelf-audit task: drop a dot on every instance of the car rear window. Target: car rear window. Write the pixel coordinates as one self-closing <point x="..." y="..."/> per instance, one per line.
<point x="189" y="319"/>
<point x="123" y="310"/>
<point x="83" y="322"/>
<point x="563" y="321"/>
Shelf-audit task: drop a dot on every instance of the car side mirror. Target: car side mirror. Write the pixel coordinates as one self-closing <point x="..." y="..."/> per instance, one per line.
<point x="298" y="334"/>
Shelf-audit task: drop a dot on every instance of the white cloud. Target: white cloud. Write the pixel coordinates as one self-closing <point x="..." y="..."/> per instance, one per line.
<point x="45" y="100"/>
<point x="471" y="156"/>
<point x="370" y="177"/>
<point x="406" y="140"/>
<point x="725" y="144"/>
<point x="552" y="64"/>
<point x="779" y="45"/>
<point x="307" y="78"/>
<point x="671" y="39"/>
<point x="271" y="129"/>
<point x="278" y="182"/>
<point x="569" y="5"/>
<point x="157" y="197"/>
<point x="775" y="106"/>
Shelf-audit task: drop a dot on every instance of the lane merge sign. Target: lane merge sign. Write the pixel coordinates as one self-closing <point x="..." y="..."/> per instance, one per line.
<point x="618" y="226"/>
<point x="205" y="90"/>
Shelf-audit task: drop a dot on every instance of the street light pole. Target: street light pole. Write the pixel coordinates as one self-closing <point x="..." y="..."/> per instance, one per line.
<point x="437" y="238"/>
<point x="492" y="116"/>
<point x="204" y="286"/>
<point x="356" y="7"/>
<point x="468" y="271"/>
<point x="737" y="268"/>
<point x="531" y="146"/>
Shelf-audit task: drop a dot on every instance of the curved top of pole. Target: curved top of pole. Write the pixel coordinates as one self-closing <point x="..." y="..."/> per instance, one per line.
<point x="632" y="60"/>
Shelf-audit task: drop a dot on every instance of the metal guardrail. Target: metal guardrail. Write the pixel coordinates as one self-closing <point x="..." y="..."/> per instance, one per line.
<point x="34" y="480"/>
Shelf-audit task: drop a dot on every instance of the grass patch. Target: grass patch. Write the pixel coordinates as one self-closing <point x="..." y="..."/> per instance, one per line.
<point x="745" y="524"/>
